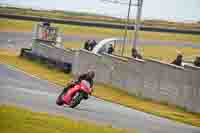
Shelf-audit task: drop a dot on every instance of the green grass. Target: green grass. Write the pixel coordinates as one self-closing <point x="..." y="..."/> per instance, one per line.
<point x="106" y="92"/>
<point x="19" y="25"/>
<point x="15" y="119"/>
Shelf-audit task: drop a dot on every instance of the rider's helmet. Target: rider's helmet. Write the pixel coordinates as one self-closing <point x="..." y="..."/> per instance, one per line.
<point x="91" y="74"/>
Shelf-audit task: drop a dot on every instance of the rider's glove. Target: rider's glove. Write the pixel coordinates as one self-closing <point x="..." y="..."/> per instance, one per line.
<point x="75" y="82"/>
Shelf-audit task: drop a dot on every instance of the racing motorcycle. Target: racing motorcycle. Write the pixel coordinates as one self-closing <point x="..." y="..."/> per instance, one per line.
<point x="73" y="96"/>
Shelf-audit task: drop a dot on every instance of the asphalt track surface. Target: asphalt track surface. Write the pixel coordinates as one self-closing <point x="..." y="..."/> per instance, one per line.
<point x="23" y="39"/>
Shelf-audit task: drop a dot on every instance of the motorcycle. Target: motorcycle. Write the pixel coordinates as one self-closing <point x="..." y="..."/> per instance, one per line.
<point x="73" y="96"/>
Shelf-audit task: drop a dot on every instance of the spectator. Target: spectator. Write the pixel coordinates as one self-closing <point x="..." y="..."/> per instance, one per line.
<point x="46" y="24"/>
<point x="92" y="44"/>
<point x="178" y="61"/>
<point x="110" y="49"/>
<point x="86" y="45"/>
<point x="197" y="61"/>
<point x="45" y="27"/>
<point x="135" y="54"/>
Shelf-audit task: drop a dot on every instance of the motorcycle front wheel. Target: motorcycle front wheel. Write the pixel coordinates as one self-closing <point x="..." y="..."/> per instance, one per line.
<point x="59" y="100"/>
<point x="76" y="100"/>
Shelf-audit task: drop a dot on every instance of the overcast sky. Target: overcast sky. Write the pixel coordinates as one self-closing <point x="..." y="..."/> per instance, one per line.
<point x="176" y="10"/>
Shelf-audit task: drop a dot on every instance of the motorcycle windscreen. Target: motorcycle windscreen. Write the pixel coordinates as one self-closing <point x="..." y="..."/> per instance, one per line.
<point x="87" y="85"/>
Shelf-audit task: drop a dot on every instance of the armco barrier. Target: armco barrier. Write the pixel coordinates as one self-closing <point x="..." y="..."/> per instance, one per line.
<point x="147" y="78"/>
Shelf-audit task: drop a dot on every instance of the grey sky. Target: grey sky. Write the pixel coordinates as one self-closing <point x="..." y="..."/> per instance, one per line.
<point x="177" y="10"/>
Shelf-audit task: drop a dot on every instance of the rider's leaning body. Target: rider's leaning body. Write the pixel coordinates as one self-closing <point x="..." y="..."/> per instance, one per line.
<point x="89" y="76"/>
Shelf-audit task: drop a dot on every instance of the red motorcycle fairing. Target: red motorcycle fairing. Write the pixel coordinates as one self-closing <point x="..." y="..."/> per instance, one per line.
<point x="72" y="91"/>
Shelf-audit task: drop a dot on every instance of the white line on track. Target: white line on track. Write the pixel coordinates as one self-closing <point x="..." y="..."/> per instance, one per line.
<point x="31" y="75"/>
<point x="36" y="92"/>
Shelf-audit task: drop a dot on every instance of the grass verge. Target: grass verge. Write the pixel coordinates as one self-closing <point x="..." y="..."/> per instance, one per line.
<point x="19" y="25"/>
<point x="14" y="119"/>
<point x="109" y="93"/>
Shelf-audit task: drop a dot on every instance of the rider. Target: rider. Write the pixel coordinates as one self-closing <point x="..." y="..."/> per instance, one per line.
<point x="89" y="76"/>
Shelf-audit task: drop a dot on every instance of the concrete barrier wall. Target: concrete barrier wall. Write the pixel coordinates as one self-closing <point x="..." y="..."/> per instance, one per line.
<point x="43" y="50"/>
<point x="103" y="70"/>
<point x="134" y="76"/>
<point x="172" y="84"/>
<point x="150" y="78"/>
<point x="54" y="53"/>
<point x="40" y="50"/>
<point x="192" y="88"/>
<point x="99" y="63"/>
<point x="67" y="55"/>
<point x="165" y="82"/>
<point x="147" y="78"/>
<point x="86" y="60"/>
<point x="114" y="65"/>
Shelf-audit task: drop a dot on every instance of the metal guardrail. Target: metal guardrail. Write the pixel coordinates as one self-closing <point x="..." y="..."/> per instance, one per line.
<point x="99" y="24"/>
